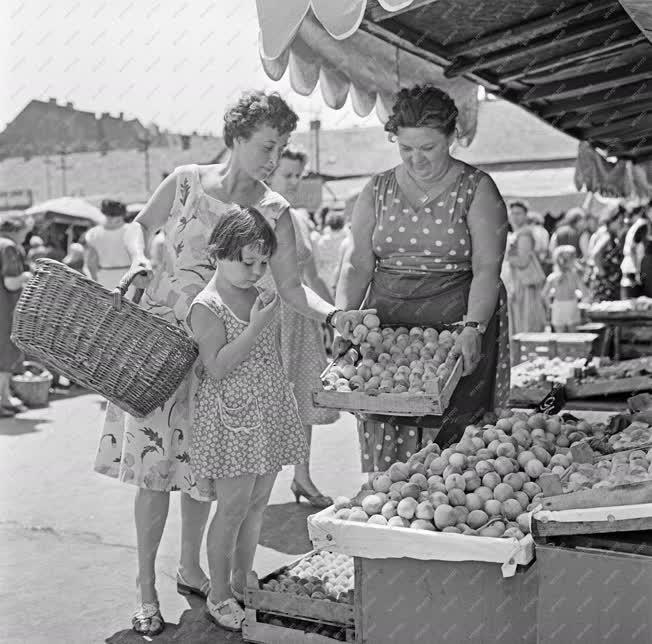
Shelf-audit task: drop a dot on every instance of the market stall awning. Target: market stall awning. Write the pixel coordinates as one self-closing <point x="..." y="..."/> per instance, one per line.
<point x="584" y="66"/>
<point x="72" y="207"/>
<point x="325" y="47"/>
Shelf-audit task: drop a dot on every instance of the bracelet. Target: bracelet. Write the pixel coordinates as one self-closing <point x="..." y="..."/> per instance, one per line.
<point x="330" y="316"/>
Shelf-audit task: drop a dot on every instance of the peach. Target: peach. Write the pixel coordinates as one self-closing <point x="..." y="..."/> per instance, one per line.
<point x="398" y="472"/>
<point x="410" y="490"/>
<point x="483" y="467"/>
<point x="458" y="460"/>
<point x="389" y="509"/>
<point x="503" y="466"/>
<point x="541" y="454"/>
<point x="382" y="483"/>
<point x="348" y="371"/>
<point x="420" y="480"/>
<point x="406" y="508"/>
<point x="531" y="489"/>
<point x="537" y="421"/>
<point x="514" y="480"/>
<point x="491" y="480"/>
<point x="438" y="465"/>
<point x="484" y="493"/>
<point x="477" y="518"/>
<point x="421" y="524"/>
<point x="358" y="515"/>
<point x="455" y="481"/>
<point x="512" y="509"/>
<point x="473" y="502"/>
<point x="444" y="517"/>
<point x="524" y="457"/>
<point x="456" y="497"/>
<point x="372" y="504"/>
<point x="493" y="508"/>
<point x="341" y="502"/>
<point x="425" y="510"/>
<point x="522" y="498"/>
<point x="534" y="468"/>
<point x="398" y="522"/>
<point x="506" y="449"/>
<point x="503" y="491"/>
<point x="438" y="498"/>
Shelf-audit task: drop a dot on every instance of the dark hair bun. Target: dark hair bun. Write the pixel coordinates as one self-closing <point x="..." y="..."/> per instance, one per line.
<point x="423" y="106"/>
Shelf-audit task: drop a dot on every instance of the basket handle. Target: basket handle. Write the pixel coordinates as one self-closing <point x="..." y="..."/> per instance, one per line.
<point x="123" y="287"/>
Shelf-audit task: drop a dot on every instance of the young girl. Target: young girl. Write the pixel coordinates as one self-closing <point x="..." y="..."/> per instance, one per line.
<point x="246" y="424"/>
<point x="564" y="290"/>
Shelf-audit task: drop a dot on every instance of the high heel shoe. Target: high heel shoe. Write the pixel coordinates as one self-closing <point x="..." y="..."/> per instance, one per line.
<point x="316" y="500"/>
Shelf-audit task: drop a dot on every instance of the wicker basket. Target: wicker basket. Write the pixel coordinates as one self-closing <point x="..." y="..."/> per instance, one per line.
<point x="33" y="390"/>
<point x="99" y="340"/>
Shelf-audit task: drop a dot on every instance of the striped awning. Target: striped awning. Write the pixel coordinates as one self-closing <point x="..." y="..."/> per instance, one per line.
<point x="320" y="42"/>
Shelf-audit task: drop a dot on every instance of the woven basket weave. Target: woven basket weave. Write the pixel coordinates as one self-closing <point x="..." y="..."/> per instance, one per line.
<point x="99" y="340"/>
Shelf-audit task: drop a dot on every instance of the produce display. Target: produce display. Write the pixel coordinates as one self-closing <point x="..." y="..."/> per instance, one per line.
<point x="321" y="575"/>
<point x="394" y="361"/>
<point x="540" y="370"/>
<point x="637" y="434"/>
<point x="640" y="304"/>
<point x="607" y="370"/>
<point x="484" y="485"/>
<point x="617" y="469"/>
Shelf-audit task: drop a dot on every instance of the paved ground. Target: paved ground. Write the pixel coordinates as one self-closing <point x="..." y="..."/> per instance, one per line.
<point x="67" y="542"/>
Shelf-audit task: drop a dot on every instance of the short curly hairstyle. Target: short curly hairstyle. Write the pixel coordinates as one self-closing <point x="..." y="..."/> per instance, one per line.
<point x="255" y="109"/>
<point x="423" y="106"/>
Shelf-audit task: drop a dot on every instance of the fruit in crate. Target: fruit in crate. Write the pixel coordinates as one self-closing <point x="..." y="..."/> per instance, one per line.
<point x="616" y="469"/>
<point x="622" y="306"/>
<point x="534" y="372"/>
<point x="321" y="575"/>
<point x="638" y="433"/>
<point x="387" y="360"/>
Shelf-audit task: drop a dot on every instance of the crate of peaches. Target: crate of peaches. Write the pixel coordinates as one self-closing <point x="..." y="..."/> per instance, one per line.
<point x="393" y="370"/>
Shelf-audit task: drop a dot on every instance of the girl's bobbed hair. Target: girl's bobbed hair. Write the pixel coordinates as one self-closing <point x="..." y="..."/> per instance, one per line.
<point x="239" y="227"/>
<point x="255" y="109"/>
<point x="423" y="106"/>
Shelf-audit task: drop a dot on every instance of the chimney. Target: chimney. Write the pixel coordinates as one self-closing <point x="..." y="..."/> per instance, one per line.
<point x="69" y="105"/>
<point x="52" y="101"/>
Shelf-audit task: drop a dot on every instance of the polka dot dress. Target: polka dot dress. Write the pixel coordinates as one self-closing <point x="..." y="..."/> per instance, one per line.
<point x="248" y="422"/>
<point x="432" y="238"/>
<point x="418" y="252"/>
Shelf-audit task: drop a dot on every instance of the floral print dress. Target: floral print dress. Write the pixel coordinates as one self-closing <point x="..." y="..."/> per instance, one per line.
<point x="248" y="422"/>
<point x="153" y="452"/>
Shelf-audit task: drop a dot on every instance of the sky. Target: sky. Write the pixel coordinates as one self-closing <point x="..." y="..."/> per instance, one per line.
<point x="177" y="63"/>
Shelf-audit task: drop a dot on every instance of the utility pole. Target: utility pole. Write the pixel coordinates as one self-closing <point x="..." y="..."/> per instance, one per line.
<point x="146" y="141"/>
<point x="63" y="166"/>
<point x="48" y="177"/>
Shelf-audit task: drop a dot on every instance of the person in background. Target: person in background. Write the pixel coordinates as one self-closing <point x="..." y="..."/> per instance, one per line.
<point x="606" y="255"/>
<point x="13" y="275"/>
<point x="37" y="250"/>
<point x="302" y="346"/>
<point x="541" y="239"/>
<point x="570" y="231"/>
<point x="75" y="258"/>
<point x="523" y="276"/>
<point x="564" y="290"/>
<point x="328" y="248"/>
<point x="590" y="227"/>
<point x="552" y="221"/>
<point x="107" y="254"/>
<point x="634" y="245"/>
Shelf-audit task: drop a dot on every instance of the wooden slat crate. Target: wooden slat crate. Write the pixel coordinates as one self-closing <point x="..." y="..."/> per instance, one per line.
<point x="283" y="617"/>
<point x="433" y="403"/>
<point x="552" y="345"/>
<point x="588" y="389"/>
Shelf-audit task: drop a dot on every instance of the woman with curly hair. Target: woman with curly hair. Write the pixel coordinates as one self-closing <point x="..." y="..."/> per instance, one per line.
<point x="152" y="452"/>
<point x="428" y="238"/>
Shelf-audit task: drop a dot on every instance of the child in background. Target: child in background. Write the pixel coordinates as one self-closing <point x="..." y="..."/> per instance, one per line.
<point x="564" y="290"/>
<point x="246" y="425"/>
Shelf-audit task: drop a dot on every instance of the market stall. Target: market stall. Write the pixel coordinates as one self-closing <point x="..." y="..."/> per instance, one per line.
<point x="442" y="543"/>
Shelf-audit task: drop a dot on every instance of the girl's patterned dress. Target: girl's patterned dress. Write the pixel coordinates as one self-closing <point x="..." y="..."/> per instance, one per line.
<point x="606" y="288"/>
<point x="153" y="452"/>
<point x="422" y="277"/>
<point x="246" y="423"/>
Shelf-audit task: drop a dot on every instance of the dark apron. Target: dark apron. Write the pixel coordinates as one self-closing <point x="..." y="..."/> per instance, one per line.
<point x="430" y="300"/>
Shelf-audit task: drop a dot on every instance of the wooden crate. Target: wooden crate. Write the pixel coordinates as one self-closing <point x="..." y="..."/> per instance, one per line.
<point x="283" y="617"/>
<point x="433" y="403"/>
<point x="552" y="345"/>
<point x="597" y="387"/>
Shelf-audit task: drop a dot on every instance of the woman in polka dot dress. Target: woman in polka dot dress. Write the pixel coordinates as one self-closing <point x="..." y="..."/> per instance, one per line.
<point x="428" y="239"/>
<point x="246" y="424"/>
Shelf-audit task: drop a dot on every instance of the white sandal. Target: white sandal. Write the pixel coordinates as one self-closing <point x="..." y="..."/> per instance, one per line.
<point x="231" y="621"/>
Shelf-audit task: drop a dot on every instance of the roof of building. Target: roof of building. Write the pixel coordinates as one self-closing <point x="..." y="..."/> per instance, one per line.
<point x="507" y="136"/>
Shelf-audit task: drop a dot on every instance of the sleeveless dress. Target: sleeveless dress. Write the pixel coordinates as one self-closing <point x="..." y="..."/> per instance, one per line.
<point x="302" y="345"/>
<point x="248" y="422"/>
<point x="153" y="452"/>
<point x="422" y="277"/>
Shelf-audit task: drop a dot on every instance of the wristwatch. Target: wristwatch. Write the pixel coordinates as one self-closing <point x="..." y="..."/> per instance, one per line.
<point x="330" y="316"/>
<point x="480" y="328"/>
